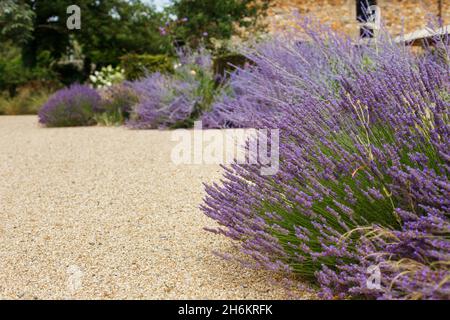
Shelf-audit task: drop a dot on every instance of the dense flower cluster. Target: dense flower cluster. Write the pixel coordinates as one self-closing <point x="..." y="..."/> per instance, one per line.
<point x="107" y="77"/>
<point x="73" y="106"/>
<point x="282" y="73"/>
<point x="364" y="171"/>
<point x="413" y="261"/>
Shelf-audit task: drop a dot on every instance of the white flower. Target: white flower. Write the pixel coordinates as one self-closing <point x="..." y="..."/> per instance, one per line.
<point x="107" y="76"/>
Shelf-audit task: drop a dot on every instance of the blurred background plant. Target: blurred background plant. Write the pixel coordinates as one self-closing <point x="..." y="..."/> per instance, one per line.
<point x="107" y="77"/>
<point x="16" y="21"/>
<point x="204" y="21"/>
<point x="178" y="99"/>
<point x="72" y="106"/>
<point x="137" y="66"/>
<point x="27" y="101"/>
<point x="117" y="104"/>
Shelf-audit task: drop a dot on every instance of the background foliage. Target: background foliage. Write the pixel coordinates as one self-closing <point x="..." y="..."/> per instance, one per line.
<point x="206" y="20"/>
<point x="35" y="43"/>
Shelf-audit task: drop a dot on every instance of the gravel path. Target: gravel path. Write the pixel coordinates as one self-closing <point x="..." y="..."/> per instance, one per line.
<point x="101" y="213"/>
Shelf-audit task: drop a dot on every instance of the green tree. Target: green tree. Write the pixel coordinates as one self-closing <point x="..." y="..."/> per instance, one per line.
<point x="109" y="29"/>
<point x="16" y="21"/>
<point x="14" y="74"/>
<point x="206" y="19"/>
<point x="49" y="31"/>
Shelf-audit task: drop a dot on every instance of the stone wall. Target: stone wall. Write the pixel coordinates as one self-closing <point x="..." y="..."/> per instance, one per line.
<point x="341" y="14"/>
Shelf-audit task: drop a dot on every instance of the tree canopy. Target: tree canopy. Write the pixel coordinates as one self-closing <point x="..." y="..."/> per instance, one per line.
<point x="16" y="21"/>
<point x="205" y="19"/>
<point x="110" y="29"/>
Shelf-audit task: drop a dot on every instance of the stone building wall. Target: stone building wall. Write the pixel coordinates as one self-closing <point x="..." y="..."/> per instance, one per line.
<point x="341" y="14"/>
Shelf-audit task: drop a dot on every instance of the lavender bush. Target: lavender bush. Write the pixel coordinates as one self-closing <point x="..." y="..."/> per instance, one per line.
<point x="73" y="106"/>
<point x="364" y="166"/>
<point x="280" y="74"/>
<point x="170" y="101"/>
<point x="163" y="102"/>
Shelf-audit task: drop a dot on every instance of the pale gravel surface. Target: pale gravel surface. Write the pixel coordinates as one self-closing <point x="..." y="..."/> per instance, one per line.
<point x="109" y="202"/>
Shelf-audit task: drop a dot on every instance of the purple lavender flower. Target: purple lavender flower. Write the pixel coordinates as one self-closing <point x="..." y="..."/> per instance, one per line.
<point x="168" y="101"/>
<point x="73" y="106"/>
<point x="365" y="161"/>
<point x="162" y="31"/>
<point x="163" y="102"/>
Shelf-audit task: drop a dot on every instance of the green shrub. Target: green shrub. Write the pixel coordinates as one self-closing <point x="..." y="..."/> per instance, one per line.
<point x="69" y="73"/>
<point x="27" y="101"/>
<point x="14" y="75"/>
<point x="136" y="66"/>
<point x="228" y="63"/>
